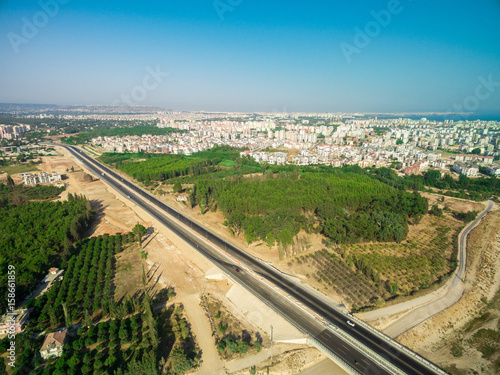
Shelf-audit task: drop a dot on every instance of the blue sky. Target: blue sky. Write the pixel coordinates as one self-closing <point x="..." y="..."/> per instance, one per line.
<point x="259" y="56"/>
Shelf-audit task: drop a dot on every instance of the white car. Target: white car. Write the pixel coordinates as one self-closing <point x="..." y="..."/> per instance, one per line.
<point x="351" y="323"/>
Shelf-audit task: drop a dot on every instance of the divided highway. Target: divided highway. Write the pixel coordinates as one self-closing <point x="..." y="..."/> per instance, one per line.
<point x="390" y="357"/>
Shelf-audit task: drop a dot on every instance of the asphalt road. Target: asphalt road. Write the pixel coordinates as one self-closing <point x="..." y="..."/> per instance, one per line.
<point x="184" y="227"/>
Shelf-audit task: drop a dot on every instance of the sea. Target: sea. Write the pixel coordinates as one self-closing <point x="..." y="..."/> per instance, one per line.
<point x="444" y="116"/>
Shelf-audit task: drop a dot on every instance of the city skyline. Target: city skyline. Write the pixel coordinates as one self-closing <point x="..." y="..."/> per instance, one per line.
<point x="365" y="57"/>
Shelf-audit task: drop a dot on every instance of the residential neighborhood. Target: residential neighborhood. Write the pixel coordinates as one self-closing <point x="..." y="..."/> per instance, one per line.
<point x="409" y="145"/>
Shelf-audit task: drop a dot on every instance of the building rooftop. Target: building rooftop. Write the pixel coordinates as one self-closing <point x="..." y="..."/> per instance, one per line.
<point x="54" y="340"/>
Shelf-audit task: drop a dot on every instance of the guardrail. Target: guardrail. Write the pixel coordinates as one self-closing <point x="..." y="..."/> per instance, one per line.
<point x="382" y="335"/>
<point x="400" y="346"/>
<point x="337" y="359"/>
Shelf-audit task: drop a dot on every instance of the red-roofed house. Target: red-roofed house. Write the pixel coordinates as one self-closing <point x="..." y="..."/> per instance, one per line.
<point x="413" y="169"/>
<point x="53" y="344"/>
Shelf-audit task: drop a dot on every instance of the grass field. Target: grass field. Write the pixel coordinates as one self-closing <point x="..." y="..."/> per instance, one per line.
<point x="18" y="168"/>
<point x="227" y="163"/>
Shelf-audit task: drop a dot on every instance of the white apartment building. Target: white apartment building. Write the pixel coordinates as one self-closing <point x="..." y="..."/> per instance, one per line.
<point x="467" y="169"/>
<point x="43" y="177"/>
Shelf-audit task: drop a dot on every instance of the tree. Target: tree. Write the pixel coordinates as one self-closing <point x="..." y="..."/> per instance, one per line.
<point x="88" y="177"/>
<point x="139" y="230"/>
<point x="243" y="347"/>
<point x="10" y="181"/>
<point x="270" y="240"/>
<point x="436" y="211"/>
<point x="3" y="369"/>
<point x="236" y="221"/>
<point x="123" y="333"/>
<point x="257" y="345"/>
<point x="393" y="288"/>
<point x="177" y="187"/>
<point x="470" y="216"/>
<point x="86" y="369"/>
<point x="180" y="362"/>
<point x="98" y="364"/>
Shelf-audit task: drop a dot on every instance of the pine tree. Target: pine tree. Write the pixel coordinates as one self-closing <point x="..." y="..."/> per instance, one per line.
<point x="139" y="230"/>
<point x="10" y="181"/>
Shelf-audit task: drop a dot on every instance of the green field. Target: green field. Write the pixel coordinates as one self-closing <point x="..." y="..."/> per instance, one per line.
<point x="228" y="163"/>
<point x="18" y="168"/>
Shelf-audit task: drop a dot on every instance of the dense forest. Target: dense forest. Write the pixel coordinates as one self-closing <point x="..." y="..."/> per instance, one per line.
<point x="37" y="236"/>
<point x="138" y="130"/>
<point x="22" y="193"/>
<point x="348" y="204"/>
<point x="158" y="167"/>
<point x="344" y="206"/>
<point x="478" y="189"/>
<point x="145" y="167"/>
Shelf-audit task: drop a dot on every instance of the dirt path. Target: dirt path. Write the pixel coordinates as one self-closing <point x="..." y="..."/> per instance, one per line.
<point x="200" y="326"/>
<point x="430" y="304"/>
<point x="434" y="337"/>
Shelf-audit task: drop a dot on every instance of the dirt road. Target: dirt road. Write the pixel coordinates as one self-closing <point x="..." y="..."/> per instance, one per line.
<point x="200" y="326"/>
<point x="431" y="304"/>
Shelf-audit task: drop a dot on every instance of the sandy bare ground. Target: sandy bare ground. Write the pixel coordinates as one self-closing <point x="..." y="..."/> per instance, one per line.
<point x="211" y="363"/>
<point x="287" y="361"/>
<point x="112" y="214"/>
<point x="179" y="265"/>
<point x="324" y="367"/>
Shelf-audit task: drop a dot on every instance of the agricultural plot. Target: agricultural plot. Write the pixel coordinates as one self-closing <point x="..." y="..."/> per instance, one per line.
<point x="335" y="275"/>
<point x="123" y="336"/>
<point x="428" y="254"/>
<point x="86" y="290"/>
<point x="366" y="274"/>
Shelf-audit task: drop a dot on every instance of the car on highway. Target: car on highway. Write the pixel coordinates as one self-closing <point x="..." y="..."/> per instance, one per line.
<point x="102" y="173"/>
<point x="351" y="323"/>
<point x="237" y="269"/>
<point x="128" y="196"/>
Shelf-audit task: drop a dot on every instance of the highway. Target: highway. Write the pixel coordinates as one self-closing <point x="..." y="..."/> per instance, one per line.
<point x="210" y="244"/>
